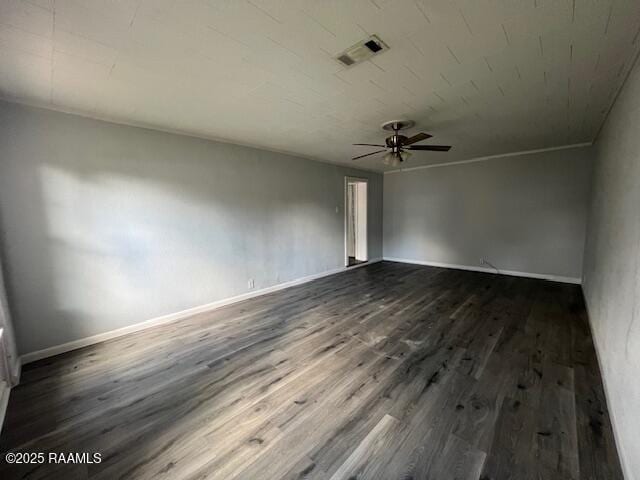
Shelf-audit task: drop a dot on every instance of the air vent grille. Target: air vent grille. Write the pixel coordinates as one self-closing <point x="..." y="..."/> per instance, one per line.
<point x="362" y="51"/>
<point x="374" y="46"/>
<point x="346" y="59"/>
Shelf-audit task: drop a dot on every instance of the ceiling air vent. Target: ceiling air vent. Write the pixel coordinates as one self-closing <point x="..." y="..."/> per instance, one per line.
<point x="362" y="51"/>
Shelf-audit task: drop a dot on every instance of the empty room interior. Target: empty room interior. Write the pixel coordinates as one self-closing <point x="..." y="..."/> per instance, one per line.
<point x="303" y="239"/>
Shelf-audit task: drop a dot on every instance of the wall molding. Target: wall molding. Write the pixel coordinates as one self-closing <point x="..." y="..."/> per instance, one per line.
<point x="183" y="133"/>
<point x="173" y="317"/>
<point x="513" y="273"/>
<point x="491" y="157"/>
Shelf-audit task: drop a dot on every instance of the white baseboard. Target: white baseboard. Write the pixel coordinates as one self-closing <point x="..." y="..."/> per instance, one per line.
<point x="172" y="317"/>
<point x="555" y="278"/>
<point x="4" y="401"/>
<point x="626" y="471"/>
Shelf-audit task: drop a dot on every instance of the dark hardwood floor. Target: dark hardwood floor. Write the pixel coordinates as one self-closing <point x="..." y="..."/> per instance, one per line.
<point x="389" y="371"/>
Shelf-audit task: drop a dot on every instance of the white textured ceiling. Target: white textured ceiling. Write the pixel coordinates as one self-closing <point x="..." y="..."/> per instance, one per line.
<point x="486" y="76"/>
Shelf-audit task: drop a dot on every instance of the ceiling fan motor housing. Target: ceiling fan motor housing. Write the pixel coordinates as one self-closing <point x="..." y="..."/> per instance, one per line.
<point x="395" y="141"/>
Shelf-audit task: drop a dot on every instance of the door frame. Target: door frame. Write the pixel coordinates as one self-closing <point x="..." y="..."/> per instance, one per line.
<point x="347" y="179"/>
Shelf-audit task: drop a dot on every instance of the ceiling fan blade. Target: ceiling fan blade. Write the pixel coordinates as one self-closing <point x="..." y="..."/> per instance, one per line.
<point x="417" y="138"/>
<point x="433" y="148"/>
<point x="367" y="154"/>
<point x="368" y="145"/>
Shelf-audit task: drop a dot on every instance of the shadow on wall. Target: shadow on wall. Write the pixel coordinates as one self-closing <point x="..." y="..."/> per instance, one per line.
<point x="105" y="226"/>
<point x="122" y="225"/>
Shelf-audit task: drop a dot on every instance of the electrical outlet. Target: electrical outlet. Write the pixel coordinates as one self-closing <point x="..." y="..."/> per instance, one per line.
<point x="251" y="283"/>
<point x="482" y="261"/>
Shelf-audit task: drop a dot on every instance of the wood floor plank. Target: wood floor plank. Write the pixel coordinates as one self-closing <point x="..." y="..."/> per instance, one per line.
<point x="480" y="406"/>
<point x="362" y="463"/>
<point x="556" y="441"/>
<point x="596" y="445"/>
<point x="428" y="429"/>
<point x="386" y="371"/>
<point x="459" y="460"/>
<point x="511" y="456"/>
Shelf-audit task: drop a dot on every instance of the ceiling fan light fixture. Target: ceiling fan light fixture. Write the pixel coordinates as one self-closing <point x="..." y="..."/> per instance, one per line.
<point x="392" y="159"/>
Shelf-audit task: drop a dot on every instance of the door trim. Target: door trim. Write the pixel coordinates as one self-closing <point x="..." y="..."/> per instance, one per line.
<point x="348" y="179"/>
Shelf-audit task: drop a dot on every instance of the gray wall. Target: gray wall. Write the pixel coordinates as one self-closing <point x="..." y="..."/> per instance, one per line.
<point x="105" y="226"/>
<point x="612" y="268"/>
<point x="522" y="213"/>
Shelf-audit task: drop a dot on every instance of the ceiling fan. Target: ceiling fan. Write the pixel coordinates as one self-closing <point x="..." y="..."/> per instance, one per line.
<point x="398" y="146"/>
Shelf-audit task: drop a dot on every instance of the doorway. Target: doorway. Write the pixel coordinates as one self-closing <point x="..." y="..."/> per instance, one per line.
<point x="355" y="221"/>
